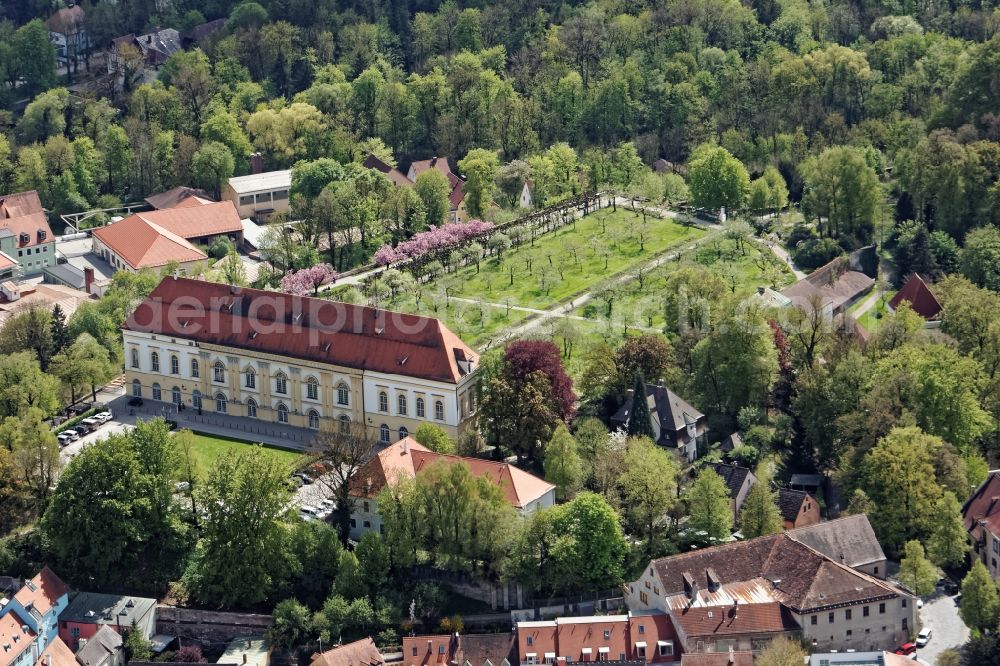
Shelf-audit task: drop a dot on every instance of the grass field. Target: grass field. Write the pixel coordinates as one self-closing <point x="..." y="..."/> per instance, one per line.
<point x="871" y="319"/>
<point x="570" y="260"/>
<point x="208" y="448"/>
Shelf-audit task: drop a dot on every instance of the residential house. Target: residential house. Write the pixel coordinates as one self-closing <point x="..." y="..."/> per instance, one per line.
<point x="68" y="33"/>
<point x="178" y="197"/>
<point x="676" y="423"/>
<point x="392" y="173"/>
<point x="460" y="650"/>
<point x="157" y="238"/>
<point x="16" y="298"/>
<point x="57" y="653"/>
<point x="524" y="199"/>
<point x="739" y="481"/>
<point x="456" y="195"/>
<point x="17" y="640"/>
<point x="104" y="648"/>
<point x="201" y="33"/>
<point x="636" y="638"/>
<point x="731" y="658"/>
<point x="981" y="516"/>
<point x="880" y="658"/>
<point x="25" y="235"/>
<point x="849" y="540"/>
<point x="155" y="48"/>
<point x="259" y="195"/>
<point x="733" y="441"/>
<point x="298" y="361"/>
<point x="89" y="611"/>
<point x="920" y="298"/>
<point x="358" y="653"/>
<point x="798" y="508"/>
<point x="407" y="458"/>
<point x="38" y="603"/>
<point x="769" y="586"/>
<point x="837" y="285"/>
<point x="768" y="298"/>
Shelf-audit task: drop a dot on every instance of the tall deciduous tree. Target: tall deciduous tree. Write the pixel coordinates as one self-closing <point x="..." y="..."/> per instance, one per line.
<point x="842" y="191"/>
<point x="717" y="179"/>
<point x="947" y="544"/>
<point x="916" y="572"/>
<point x="563" y="466"/>
<point x="639" y="418"/>
<point x="648" y="486"/>
<point x="709" y="505"/>
<point x="212" y="166"/>
<point x="760" y="515"/>
<point x="480" y="169"/>
<point x="980" y="605"/>
<point x="781" y="652"/>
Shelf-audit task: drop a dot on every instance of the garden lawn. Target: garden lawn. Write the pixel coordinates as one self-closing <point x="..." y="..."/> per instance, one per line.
<point x="871" y="319"/>
<point x="208" y="448"/>
<point x="569" y="260"/>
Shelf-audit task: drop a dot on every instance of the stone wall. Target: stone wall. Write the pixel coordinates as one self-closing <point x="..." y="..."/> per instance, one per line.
<point x="209" y="626"/>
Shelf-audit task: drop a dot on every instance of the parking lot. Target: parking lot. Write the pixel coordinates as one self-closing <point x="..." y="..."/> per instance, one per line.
<point x="940" y="614"/>
<point x="112" y="427"/>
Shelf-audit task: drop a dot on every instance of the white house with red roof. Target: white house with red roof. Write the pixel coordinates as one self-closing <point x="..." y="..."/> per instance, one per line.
<point x="298" y="361"/>
<point x="407" y="459"/>
<point x="25" y="236"/>
<point x="456" y="195"/>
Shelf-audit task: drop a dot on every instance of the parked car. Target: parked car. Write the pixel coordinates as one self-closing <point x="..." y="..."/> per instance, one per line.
<point x="82" y="428"/>
<point x="72" y="434"/>
<point x="64" y="439"/>
<point x="103" y="416"/>
<point x="307" y="512"/>
<point x="93" y="423"/>
<point x="906" y="649"/>
<point x="923" y="637"/>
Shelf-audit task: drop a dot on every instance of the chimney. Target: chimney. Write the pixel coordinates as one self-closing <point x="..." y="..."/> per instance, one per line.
<point x="245" y="656"/>
<point x="406" y="445"/>
<point x="88" y="280"/>
<point x="177" y="273"/>
<point x="256" y="163"/>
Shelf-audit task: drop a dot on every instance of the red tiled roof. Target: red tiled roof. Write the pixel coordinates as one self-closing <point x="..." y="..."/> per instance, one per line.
<point x="407" y="458"/>
<point x="42" y="591"/>
<point x="456" y="194"/>
<point x="57" y="653"/>
<point x="6" y="261"/>
<point x="762" y="618"/>
<point x="433" y="649"/>
<point x="580" y="639"/>
<point x="358" y="653"/>
<point x="395" y="175"/>
<point x="790" y="503"/>
<point x="142" y="244"/>
<point x="919" y="296"/>
<point x="983" y="508"/>
<point x="717" y="659"/>
<point x="14" y="633"/>
<point x="306" y="328"/>
<point x="22" y="213"/>
<point x="178" y="196"/>
<point x="196" y="221"/>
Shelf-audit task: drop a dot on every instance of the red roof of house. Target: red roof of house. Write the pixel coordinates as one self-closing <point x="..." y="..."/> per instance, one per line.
<point x="311" y="329"/>
<point x="358" y="653"/>
<point x="15" y="634"/>
<point x="983" y="508"/>
<point x="42" y="592"/>
<point x="6" y="261"/>
<point x="395" y="175"/>
<point x="57" y="653"/>
<point x="717" y="659"/>
<point x="921" y="299"/>
<point x="582" y="639"/>
<point x="178" y="196"/>
<point x="196" y="221"/>
<point x="407" y="458"/>
<point x="432" y="649"/>
<point x="762" y="618"/>
<point x="142" y="244"/>
<point x="22" y="213"/>
<point x="456" y="194"/>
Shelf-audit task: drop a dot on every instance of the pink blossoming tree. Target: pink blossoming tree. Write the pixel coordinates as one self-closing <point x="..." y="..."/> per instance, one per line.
<point x="309" y="279"/>
<point x="433" y="239"/>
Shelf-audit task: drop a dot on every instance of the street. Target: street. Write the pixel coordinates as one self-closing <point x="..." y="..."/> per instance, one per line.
<point x="940" y="614"/>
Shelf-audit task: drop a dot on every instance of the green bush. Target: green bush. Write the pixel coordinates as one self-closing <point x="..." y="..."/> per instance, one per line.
<point x="220" y="247"/>
<point x="816" y="252"/>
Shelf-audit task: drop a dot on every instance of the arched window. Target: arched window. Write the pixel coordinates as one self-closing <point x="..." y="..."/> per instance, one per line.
<point x="280" y="383"/>
<point x="136" y="388"/>
<point x="314" y="419"/>
<point x="383" y="434"/>
<point x="383" y="402"/>
<point x="343" y="394"/>
<point x="220" y="403"/>
<point x="312" y="388"/>
<point x="282" y="413"/>
<point x="403" y="432"/>
<point x="135" y="358"/>
<point x="439" y="410"/>
<point x="252" y="408"/>
<point x="251" y="378"/>
<point x="154" y="361"/>
<point x="345" y="425"/>
<point x="196" y="400"/>
<point x="195" y="369"/>
<point x="175" y="396"/>
<point x="157" y="395"/>
<point x="401" y="404"/>
<point x="175" y="365"/>
<point x="420" y="408"/>
<point x="219" y="372"/>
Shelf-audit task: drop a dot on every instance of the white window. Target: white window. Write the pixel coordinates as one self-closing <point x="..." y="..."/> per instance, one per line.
<point x="281" y="383"/>
<point x="282" y="413"/>
<point x="156" y="392"/>
<point x="312" y="389"/>
<point x="383" y="434"/>
<point x="220" y="403"/>
<point x="175" y="365"/>
<point x="401" y="404"/>
<point x="250" y="378"/>
<point x="314" y="419"/>
<point x="136" y="388"/>
<point x="420" y="408"/>
<point x="219" y="372"/>
<point x="403" y="432"/>
<point x="343" y="394"/>
<point x="665" y="648"/>
<point x="252" y="408"/>
<point x="154" y="361"/>
<point x="135" y="358"/>
<point x="439" y="410"/>
<point x="196" y="400"/>
<point x="175" y="396"/>
<point x="194" y="367"/>
<point x="383" y="402"/>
